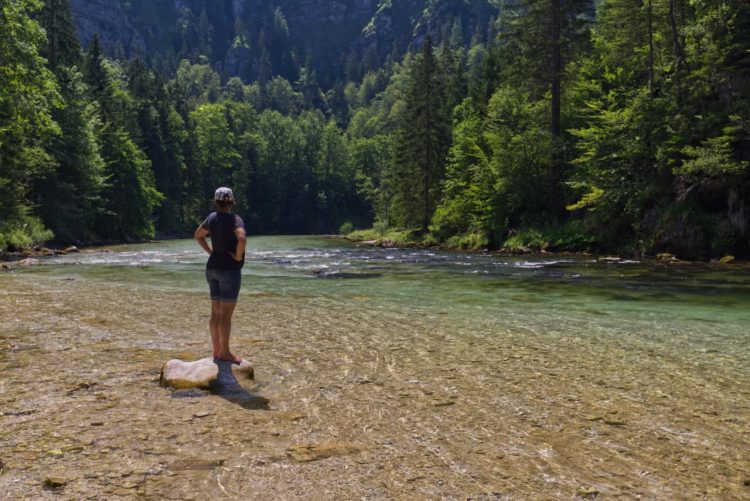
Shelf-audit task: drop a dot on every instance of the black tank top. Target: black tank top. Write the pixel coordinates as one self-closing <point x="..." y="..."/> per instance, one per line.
<point x="221" y="226"/>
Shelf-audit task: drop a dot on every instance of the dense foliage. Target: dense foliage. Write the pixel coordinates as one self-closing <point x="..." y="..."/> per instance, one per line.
<point x="571" y="125"/>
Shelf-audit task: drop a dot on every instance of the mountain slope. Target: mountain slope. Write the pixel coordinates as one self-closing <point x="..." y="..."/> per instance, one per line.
<point x="233" y="34"/>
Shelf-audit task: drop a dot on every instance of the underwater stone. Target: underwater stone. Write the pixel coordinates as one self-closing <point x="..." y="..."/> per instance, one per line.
<point x="305" y="453"/>
<point x="54" y="483"/>
<point x="29" y="261"/>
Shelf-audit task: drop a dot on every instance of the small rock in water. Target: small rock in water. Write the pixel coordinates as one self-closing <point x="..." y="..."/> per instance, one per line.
<point x="587" y="492"/>
<point x="55" y="482"/>
<point x="29" y="261"/>
<point x="191" y="393"/>
<point x="665" y="256"/>
<point x="312" y="452"/>
<point x="72" y="248"/>
<point x="613" y="422"/>
<point x="726" y="260"/>
<point x="745" y="482"/>
<point x="201" y="414"/>
<point x="195" y="464"/>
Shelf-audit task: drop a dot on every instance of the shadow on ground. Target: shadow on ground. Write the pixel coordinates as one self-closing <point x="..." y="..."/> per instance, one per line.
<point x="227" y="387"/>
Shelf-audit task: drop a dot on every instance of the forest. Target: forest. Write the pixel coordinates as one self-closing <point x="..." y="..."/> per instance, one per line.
<point x="578" y="125"/>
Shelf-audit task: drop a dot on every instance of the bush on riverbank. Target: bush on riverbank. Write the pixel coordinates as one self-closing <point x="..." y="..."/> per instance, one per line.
<point x="568" y="237"/>
<point x="22" y="234"/>
<point x="393" y="237"/>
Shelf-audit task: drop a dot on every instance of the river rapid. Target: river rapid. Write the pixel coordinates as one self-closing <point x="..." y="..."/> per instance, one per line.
<point x="389" y="374"/>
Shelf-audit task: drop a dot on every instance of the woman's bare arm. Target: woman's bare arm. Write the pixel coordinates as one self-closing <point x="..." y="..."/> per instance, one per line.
<point x="200" y="236"/>
<point x="241" y="244"/>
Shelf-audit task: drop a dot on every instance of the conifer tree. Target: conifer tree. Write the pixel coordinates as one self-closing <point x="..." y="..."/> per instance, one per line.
<point x="63" y="47"/>
<point x="421" y="142"/>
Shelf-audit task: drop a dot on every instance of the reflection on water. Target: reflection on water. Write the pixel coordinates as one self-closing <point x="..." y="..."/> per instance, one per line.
<point x="433" y="374"/>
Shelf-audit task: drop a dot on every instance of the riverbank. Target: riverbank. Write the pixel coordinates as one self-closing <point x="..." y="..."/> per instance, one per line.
<point x="407" y="239"/>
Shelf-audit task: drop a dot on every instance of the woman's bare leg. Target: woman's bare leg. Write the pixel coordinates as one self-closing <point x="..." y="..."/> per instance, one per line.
<point x="213" y="325"/>
<point x="226" y="309"/>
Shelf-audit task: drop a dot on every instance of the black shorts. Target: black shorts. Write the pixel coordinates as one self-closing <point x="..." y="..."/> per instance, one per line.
<point x="224" y="284"/>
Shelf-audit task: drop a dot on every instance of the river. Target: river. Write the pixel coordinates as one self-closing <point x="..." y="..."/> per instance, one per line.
<point x="405" y="374"/>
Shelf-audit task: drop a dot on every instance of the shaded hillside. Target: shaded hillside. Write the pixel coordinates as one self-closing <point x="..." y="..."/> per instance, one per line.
<point x="339" y="39"/>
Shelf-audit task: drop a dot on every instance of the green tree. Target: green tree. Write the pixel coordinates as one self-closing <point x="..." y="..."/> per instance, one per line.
<point x="63" y="47"/>
<point x="421" y="143"/>
<point x="540" y="38"/>
<point x="69" y="197"/>
<point x="468" y="207"/>
<point x="28" y="93"/>
<point x="215" y="150"/>
<point x="129" y="195"/>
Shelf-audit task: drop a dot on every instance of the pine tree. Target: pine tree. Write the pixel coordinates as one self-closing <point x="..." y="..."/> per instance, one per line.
<point x="421" y="142"/>
<point x="95" y="75"/>
<point x="69" y="197"/>
<point x="540" y="38"/>
<point x="63" y="47"/>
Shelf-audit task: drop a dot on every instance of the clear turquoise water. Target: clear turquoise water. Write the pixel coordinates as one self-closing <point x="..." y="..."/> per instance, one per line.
<point x="698" y="304"/>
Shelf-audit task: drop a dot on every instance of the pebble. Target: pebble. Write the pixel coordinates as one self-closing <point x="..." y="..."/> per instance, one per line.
<point x="613" y="422"/>
<point x="55" y="482"/>
<point x="442" y="403"/>
<point x="201" y="414"/>
<point x="587" y="492"/>
<point x="191" y="393"/>
<point x="304" y="453"/>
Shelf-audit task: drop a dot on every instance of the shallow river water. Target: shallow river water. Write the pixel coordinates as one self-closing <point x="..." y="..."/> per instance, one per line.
<point x="389" y="374"/>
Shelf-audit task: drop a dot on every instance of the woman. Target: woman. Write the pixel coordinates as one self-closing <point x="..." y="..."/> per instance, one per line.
<point x="223" y="270"/>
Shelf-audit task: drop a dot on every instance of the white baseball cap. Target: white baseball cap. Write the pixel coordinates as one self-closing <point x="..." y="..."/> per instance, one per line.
<point x="224" y="194"/>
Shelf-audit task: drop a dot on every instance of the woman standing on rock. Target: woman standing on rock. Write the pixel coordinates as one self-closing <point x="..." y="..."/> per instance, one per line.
<point x="223" y="270"/>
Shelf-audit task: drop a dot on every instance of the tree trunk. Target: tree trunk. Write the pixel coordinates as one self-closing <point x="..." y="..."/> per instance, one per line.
<point x="651" y="89"/>
<point x="678" y="53"/>
<point x="556" y="67"/>
<point x="555" y="106"/>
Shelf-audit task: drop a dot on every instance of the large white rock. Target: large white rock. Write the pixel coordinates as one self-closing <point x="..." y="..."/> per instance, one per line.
<point x="203" y="373"/>
<point x="183" y="375"/>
